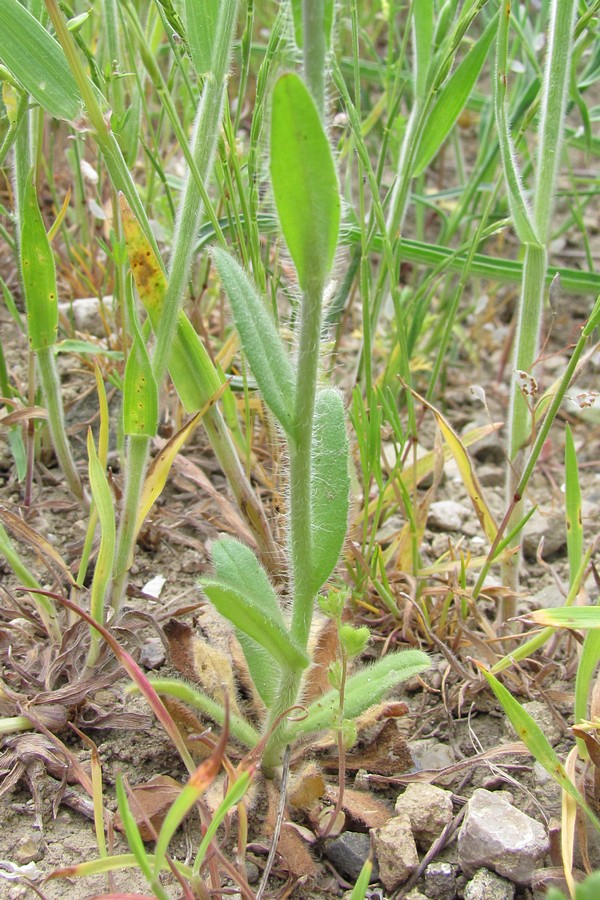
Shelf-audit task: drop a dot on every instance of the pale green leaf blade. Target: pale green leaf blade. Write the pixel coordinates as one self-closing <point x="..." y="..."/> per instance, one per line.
<point x="583" y="617"/>
<point x="451" y="99"/>
<point x="423" y="44"/>
<point x="37" y="61"/>
<point x="536" y="741"/>
<point x="304" y="181"/>
<point x="202" y="19"/>
<point x="39" y="274"/>
<point x="243" y="612"/>
<point x="330" y="484"/>
<point x="573" y="506"/>
<point x="140" y="393"/>
<point x="363" y="690"/>
<point x="264" y="349"/>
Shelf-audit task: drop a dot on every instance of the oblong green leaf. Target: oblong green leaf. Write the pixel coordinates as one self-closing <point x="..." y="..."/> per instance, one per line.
<point x="330" y="484"/>
<point x="140" y="392"/>
<point x="363" y="690"/>
<point x="304" y="181"/>
<point x="264" y="349"/>
<point x="243" y="612"/>
<point x="452" y="98"/>
<point x="583" y="617"/>
<point x="573" y="506"/>
<point x="39" y="274"/>
<point x="37" y="61"/>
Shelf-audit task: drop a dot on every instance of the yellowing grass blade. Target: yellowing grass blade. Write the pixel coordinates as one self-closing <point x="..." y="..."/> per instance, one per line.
<point x="160" y="466"/>
<point x="465" y="468"/>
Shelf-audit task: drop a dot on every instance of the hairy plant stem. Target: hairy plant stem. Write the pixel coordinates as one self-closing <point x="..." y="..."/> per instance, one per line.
<point x="300" y="538"/>
<point x="52" y="400"/>
<point x="315" y="50"/>
<point x="539" y="224"/>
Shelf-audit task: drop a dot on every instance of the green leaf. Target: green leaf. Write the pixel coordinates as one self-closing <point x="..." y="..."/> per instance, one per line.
<point x="359" y="891"/>
<point x="536" y="741"/>
<point x="363" y="690"/>
<point x="202" y="18"/>
<point x="140" y="392"/>
<point x="37" y="61"/>
<point x="253" y="620"/>
<point x="236" y="565"/>
<point x="39" y="274"/>
<point x="264" y="349"/>
<point x="452" y="98"/>
<point x="573" y="506"/>
<point x="132" y="832"/>
<point x="423" y="44"/>
<point x="304" y="181"/>
<point x="330" y="484"/>
<point x="583" y="617"/>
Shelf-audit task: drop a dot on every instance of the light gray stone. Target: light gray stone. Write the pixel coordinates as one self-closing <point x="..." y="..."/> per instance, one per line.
<point x="486" y="885"/>
<point x="440" y="881"/>
<point x="551" y="528"/>
<point x="396" y="851"/>
<point x="86" y="314"/>
<point x="428" y="753"/>
<point x="496" y="835"/>
<point x="429" y="809"/>
<point x="447" y="515"/>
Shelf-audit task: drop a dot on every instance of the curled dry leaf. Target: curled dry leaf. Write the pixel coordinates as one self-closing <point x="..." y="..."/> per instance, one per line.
<point x="293" y="853"/>
<point x="200" y="663"/>
<point x="150" y="803"/>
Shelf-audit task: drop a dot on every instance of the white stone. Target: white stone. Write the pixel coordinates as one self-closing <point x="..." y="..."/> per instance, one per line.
<point x="396" y="851"/>
<point x="498" y="836"/>
<point x="429" y="810"/>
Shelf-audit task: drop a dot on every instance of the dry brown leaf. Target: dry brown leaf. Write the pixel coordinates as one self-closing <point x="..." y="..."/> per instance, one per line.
<point x="325" y="652"/>
<point x="188" y="724"/>
<point x="151" y="802"/>
<point x="384" y="751"/>
<point x="362" y="807"/>
<point x="200" y="663"/>
<point x="295" y="857"/>
<point x="306" y="787"/>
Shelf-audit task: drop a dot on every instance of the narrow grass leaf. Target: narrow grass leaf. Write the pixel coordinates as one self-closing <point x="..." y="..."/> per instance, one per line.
<point x="359" y="891"/>
<point x="200" y="779"/>
<point x="467" y="473"/>
<point x="245" y="613"/>
<point x="580" y="617"/>
<point x="451" y="99"/>
<point x="588" y="662"/>
<point x="304" y="181"/>
<point x="37" y="62"/>
<point x="233" y="796"/>
<point x="264" y="349"/>
<point x="363" y="690"/>
<point x="573" y="506"/>
<point x="132" y="832"/>
<point x="140" y="392"/>
<point x="104" y="504"/>
<point x="329" y="483"/>
<point x="112" y="864"/>
<point x="39" y="274"/>
<point x="423" y="44"/>
<point x="536" y="741"/>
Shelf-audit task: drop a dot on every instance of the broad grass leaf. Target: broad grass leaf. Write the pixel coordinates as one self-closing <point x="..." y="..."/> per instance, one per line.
<point x="580" y="617"/>
<point x="264" y="349"/>
<point x="202" y="20"/>
<point x="330" y="484"/>
<point x="304" y="181"/>
<point x="251" y="619"/>
<point x="37" y="62"/>
<point x="451" y="99"/>
<point x="39" y="274"/>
